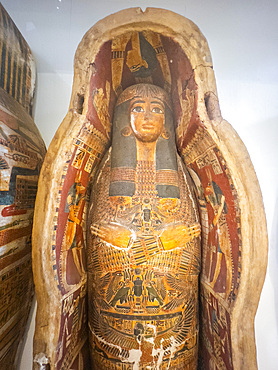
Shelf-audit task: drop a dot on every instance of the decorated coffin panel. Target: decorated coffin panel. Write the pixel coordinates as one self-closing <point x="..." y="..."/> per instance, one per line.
<point x="18" y="73"/>
<point x="221" y="245"/>
<point x="21" y="156"/>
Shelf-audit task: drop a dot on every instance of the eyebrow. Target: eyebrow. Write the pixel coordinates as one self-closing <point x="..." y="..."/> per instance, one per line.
<point x="157" y="102"/>
<point x="138" y="101"/>
<point x="152" y="102"/>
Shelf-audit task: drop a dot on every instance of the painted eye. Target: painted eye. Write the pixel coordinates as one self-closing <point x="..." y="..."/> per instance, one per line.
<point x="157" y="110"/>
<point x="138" y="109"/>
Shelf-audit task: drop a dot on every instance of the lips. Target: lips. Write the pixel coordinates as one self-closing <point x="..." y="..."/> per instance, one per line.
<point x="148" y="126"/>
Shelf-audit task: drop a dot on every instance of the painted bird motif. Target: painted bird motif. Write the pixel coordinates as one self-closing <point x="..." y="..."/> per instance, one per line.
<point x="121" y="295"/>
<point x="152" y="294"/>
<point x="113" y="285"/>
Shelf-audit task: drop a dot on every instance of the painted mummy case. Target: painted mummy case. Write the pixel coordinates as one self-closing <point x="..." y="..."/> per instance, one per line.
<point x="21" y="155"/>
<point x="143" y="244"/>
<point x="124" y="49"/>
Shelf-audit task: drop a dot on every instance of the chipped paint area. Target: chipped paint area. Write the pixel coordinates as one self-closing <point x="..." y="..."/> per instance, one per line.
<point x="41" y="359"/>
<point x="173" y="349"/>
<point x="159" y="352"/>
<point x="134" y="357"/>
<point x="103" y="341"/>
<point x="134" y="354"/>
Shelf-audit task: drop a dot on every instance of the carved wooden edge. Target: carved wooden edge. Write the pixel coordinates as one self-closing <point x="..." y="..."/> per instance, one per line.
<point x="254" y="233"/>
<point x="48" y="295"/>
<point x="254" y="250"/>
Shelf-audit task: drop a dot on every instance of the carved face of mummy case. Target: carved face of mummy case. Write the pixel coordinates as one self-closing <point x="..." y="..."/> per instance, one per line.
<point x="147" y="116"/>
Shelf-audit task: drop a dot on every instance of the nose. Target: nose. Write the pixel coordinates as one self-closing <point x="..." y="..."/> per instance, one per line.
<point x="147" y="113"/>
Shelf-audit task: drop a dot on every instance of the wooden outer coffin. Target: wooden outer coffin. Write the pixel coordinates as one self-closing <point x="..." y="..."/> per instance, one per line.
<point x="21" y="156"/>
<point x="233" y="247"/>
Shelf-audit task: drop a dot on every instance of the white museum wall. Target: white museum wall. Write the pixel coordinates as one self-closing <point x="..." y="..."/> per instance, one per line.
<point x="243" y="38"/>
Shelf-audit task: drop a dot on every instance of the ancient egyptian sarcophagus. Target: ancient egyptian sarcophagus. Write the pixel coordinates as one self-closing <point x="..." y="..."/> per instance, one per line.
<point x="21" y="156"/>
<point x="149" y="209"/>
